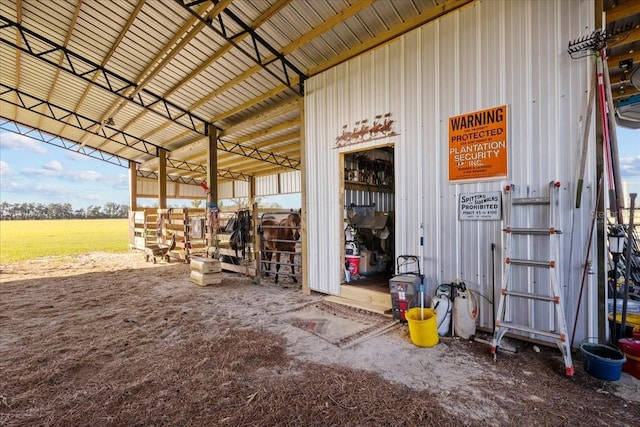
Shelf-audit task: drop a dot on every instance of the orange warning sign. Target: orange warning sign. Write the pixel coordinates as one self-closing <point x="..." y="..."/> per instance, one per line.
<point x="478" y="145"/>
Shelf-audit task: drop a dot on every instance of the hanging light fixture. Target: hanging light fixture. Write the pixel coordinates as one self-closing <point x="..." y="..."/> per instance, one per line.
<point x="616" y="247"/>
<point x="616" y="240"/>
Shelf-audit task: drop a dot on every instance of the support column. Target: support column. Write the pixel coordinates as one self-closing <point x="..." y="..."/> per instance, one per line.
<point x="212" y="165"/>
<point x="257" y="238"/>
<point x="133" y="186"/>
<point x="304" y="268"/>
<point x="162" y="178"/>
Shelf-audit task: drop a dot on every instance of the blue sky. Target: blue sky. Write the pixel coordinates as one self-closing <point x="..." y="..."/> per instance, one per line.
<point x="32" y="171"/>
<point x="629" y="155"/>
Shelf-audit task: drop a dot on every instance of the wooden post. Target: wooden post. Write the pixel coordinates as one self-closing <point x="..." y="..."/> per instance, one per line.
<point x="162" y="178"/>
<point x="133" y="186"/>
<point x="257" y="240"/>
<point x="212" y="183"/>
<point x="212" y="165"/>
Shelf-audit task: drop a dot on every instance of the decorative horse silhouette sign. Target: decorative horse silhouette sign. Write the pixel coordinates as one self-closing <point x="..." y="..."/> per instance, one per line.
<point x="362" y="132"/>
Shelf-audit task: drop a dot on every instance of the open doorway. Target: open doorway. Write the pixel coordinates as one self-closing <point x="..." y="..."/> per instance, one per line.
<point x="369" y="218"/>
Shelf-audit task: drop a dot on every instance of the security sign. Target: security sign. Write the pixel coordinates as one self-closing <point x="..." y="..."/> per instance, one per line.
<point x="478" y="145"/>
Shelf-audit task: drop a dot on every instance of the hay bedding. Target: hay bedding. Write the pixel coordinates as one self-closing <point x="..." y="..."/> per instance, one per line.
<point x="107" y="339"/>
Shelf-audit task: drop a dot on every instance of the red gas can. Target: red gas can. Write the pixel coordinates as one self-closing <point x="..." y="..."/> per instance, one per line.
<point x="631" y="348"/>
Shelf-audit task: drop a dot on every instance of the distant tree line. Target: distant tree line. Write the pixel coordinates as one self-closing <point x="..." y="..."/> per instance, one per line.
<point x="18" y="211"/>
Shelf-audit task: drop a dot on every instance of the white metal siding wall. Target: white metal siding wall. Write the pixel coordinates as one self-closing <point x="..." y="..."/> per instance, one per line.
<point x="290" y="182"/>
<point x="240" y="189"/>
<point x="233" y="190"/>
<point x="266" y="185"/>
<point x="282" y="183"/>
<point x="225" y="190"/>
<point x="191" y="191"/>
<point x="488" y="54"/>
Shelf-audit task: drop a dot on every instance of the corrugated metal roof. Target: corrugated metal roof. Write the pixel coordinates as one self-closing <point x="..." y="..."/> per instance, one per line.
<point x="128" y="77"/>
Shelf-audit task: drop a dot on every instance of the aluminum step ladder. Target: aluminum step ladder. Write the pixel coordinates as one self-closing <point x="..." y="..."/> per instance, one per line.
<point x="539" y="306"/>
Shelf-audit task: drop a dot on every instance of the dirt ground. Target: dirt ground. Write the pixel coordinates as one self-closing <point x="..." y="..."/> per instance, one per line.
<point x="109" y="339"/>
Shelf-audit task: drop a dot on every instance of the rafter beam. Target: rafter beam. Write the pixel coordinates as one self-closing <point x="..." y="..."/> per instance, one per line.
<point x="87" y="70"/>
<point x="269" y="131"/>
<point x="629" y="90"/>
<point x="275" y="8"/>
<point x="60" y="142"/>
<point x="286" y="70"/>
<point x="54" y="83"/>
<point x="623" y="10"/>
<point x="175" y="44"/>
<point x="73" y="119"/>
<point x="254" y="101"/>
<point x="171" y="178"/>
<point x="268" y="143"/>
<point x="18" y="42"/>
<point x="195" y="177"/>
<point x="390" y="34"/>
<point x="325" y="26"/>
<point x="114" y="135"/>
<point x="123" y="31"/>
<point x="260" y="169"/>
<point x="196" y="149"/>
<point x="614" y="62"/>
<point x="230" y="147"/>
<point x="258" y="154"/>
<point x="200" y="169"/>
<point x="231" y="161"/>
<point x="263" y="116"/>
<point x="301" y="41"/>
<point x="226" y="86"/>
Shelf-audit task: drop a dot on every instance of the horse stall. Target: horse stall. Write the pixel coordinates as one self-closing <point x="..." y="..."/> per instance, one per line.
<point x="280" y="245"/>
<point x="184" y="228"/>
<point x="233" y="242"/>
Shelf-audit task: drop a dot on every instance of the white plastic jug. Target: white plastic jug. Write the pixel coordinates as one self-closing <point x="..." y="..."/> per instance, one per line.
<point x="441" y="304"/>
<point x="465" y="312"/>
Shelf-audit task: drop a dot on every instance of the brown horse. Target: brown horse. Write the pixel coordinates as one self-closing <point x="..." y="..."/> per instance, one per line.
<point x="280" y="238"/>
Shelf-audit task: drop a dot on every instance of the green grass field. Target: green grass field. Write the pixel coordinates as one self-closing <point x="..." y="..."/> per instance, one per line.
<point x="23" y="240"/>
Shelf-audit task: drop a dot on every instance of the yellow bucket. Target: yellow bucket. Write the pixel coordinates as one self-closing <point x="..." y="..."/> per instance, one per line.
<point x="423" y="328"/>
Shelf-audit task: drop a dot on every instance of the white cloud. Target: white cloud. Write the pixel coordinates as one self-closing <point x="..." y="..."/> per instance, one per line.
<point x="11" y="186"/>
<point x="45" y="187"/>
<point x="74" y="155"/>
<point x="5" y="169"/>
<point x="121" y="182"/>
<point x="17" y="142"/>
<point x="53" y="165"/>
<point x="630" y="166"/>
<point x="90" y="197"/>
<point x="86" y="176"/>
<point x="50" y="173"/>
